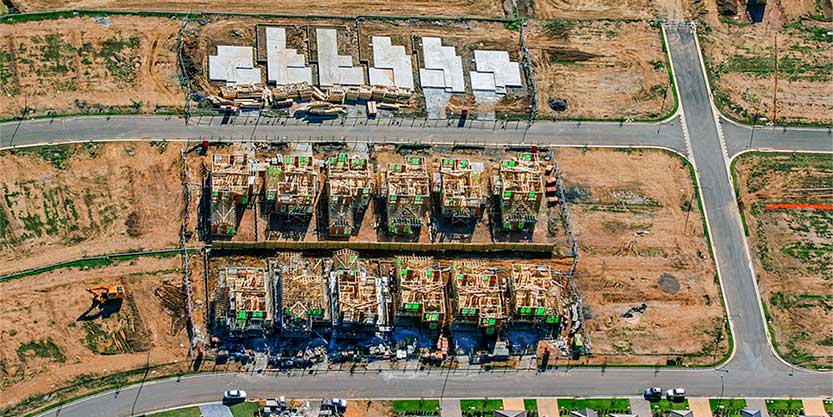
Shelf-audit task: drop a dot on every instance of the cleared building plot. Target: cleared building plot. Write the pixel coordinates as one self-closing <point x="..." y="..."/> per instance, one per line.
<point x="463" y="188"/>
<point x="478" y="296"/>
<point x="233" y="65"/>
<point x="304" y="302"/>
<point x="230" y="184"/>
<point x="406" y="191"/>
<point x="519" y="188"/>
<point x="349" y="192"/>
<point x="443" y="67"/>
<point x="361" y="293"/>
<point x="248" y="292"/>
<point x="421" y="295"/>
<point x="391" y="65"/>
<point x="539" y="295"/>
<point x="335" y="69"/>
<point x="296" y="185"/>
<point x="283" y="65"/>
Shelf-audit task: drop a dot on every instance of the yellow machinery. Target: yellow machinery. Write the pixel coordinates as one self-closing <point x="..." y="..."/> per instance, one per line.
<point x="103" y="294"/>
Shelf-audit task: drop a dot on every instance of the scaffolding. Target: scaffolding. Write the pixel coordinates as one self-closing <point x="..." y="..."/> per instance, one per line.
<point x="479" y="296"/>
<point x="250" y="298"/>
<point x="421" y="291"/>
<point x="520" y="191"/>
<point x="350" y="185"/>
<point x="303" y="292"/>
<point x="360" y="298"/>
<point x="231" y="183"/>
<point x="294" y="182"/>
<point x="462" y="189"/>
<point x="405" y="188"/>
<point x="538" y="294"/>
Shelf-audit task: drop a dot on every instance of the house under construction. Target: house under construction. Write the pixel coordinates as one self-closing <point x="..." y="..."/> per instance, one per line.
<point x="519" y="189"/>
<point x="405" y="188"/>
<point x="349" y="189"/>
<point x="361" y="299"/>
<point x="303" y="301"/>
<point x="293" y="181"/>
<point x="479" y="296"/>
<point x="461" y="186"/>
<point x="421" y="294"/>
<point x="248" y="298"/>
<point x="537" y="295"/>
<point x="231" y="184"/>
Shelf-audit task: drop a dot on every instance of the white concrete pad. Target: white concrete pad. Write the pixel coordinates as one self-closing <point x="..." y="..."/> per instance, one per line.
<point x="232" y="63"/>
<point x="393" y="58"/>
<point x="431" y="78"/>
<point x="284" y="66"/>
<point x="335" y="69"/>
<point x="506" y="73"/>
<point x="439" y="57"/>
<point x="381" y="76"/>
<point x="484" y="81"/>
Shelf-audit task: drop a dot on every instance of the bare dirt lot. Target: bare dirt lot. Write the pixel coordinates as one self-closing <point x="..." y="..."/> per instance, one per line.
<point x="52" y="336"/>
<point x="453" y="8"/>
<point x="741" y="59"/>
<point x="641" y="241"/>
<point x="83" y="66"/>
<point x="604" y="69"/>
<point x="64" y="202"/>
<point x="792" y="248"/>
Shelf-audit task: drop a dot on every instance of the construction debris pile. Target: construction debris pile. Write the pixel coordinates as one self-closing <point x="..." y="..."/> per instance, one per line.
<point x="349" y="191"/>
<point x="248" y="294"/>
<point x="519" y="188"/>
<point x="479" y="296"/>
<point x="231" y="184"/>
<point x="421" y="291"/>
<point x="462" y="189"/>
<point x="405" y="189"/>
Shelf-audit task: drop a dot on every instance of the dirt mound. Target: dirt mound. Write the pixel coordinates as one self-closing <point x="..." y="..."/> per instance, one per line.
<point x="669" y="283"/>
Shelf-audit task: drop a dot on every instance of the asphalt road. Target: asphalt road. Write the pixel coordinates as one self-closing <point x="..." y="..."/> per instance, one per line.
<point x="753" y="371"/>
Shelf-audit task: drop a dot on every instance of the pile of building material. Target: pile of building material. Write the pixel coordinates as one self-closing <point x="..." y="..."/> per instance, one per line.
<point x="293" y="180"/>
<point x="520" y="191"/>
<point x="538" y="294"/>
<point x="249" y="293"/>
<point x="391" y="65"/>
<point x="295" y="92"/>
<point x="462" y="189"/>
<point x="349" y="190"/>
<point x="421" y="294"/>
<point x="335" y="69"/>
<point x="231" y="183"/>
<point x="405" y="188"/>
<point x="443" y="67"/>
<point x="233" y="65"/>
<point x="284" y="66"/>
<point x="304" y="304"/>
<point x="242" y="96"/>
<point x="479" y="296"/>
<point x="360" y="298"/>
<point x="320" y="109"/>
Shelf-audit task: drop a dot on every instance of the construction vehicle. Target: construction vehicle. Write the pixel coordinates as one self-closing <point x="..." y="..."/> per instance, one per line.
<point x="103" y="294"/>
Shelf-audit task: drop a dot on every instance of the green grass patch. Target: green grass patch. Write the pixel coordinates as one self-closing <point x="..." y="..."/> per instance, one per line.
<point x="244" y="409"/>
<point x="179" y="412"/>
<point x="784" y="408"/>
<point x="728" y="404"/>
<point x="44" y="348"/>
<point x="665" y="405"/>
<point x="97" y="262"/>
<point x="415" y="406"/>
<point x="530" y="404"/>
<point x="480" y="407"/>
<point x="598" y="404"/>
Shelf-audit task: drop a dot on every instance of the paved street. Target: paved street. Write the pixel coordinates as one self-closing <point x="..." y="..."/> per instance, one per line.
<point x="753" y="370"/>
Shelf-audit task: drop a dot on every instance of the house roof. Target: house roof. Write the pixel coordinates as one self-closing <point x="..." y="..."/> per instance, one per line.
<point x="681" y="413"/>
<point x="510" y="413"/>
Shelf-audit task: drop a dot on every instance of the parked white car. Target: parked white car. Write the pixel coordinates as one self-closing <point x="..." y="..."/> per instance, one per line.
<point x="234" y="395"/>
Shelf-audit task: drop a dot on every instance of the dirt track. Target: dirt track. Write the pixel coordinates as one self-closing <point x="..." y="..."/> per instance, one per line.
<point x="453" y="8"/>
<point x="627" y="210"/>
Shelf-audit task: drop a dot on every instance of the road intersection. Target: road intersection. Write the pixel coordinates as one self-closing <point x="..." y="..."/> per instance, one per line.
<point x="696" y="131"/>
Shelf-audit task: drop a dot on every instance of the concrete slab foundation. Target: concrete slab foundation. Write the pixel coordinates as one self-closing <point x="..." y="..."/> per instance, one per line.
<point x="335" y="69"/>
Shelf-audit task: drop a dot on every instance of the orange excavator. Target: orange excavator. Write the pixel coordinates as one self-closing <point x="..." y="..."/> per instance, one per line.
<point x="102" y="294"/>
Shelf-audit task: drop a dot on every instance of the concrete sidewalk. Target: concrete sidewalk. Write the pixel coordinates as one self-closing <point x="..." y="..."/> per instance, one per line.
<point x="700" y="407"/>
<point x="814" y="407"/>
<point x="641" y="407"/>
<point x="548" y="407"/>
<point x="513" y="404"/>
<point x="450" y="408"/>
